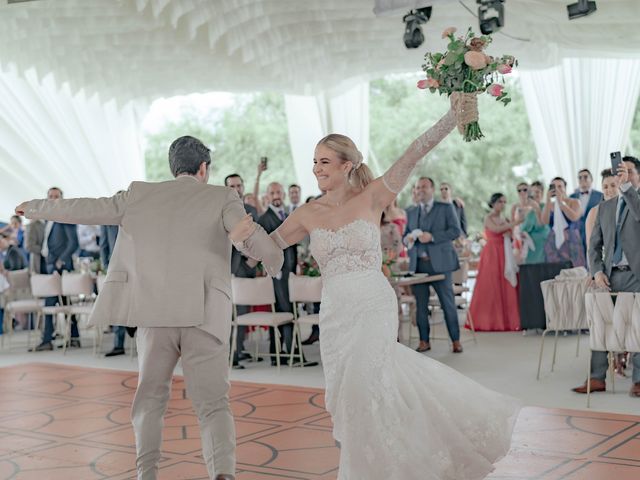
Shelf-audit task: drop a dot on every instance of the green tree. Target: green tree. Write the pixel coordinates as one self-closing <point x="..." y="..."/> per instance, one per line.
<point x="254" y="126"/>
<point x="400" y="112"/>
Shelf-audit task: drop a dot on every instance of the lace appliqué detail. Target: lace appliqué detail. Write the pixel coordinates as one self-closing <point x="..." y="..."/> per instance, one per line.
<point x="399" y="173"/>
<point x="354" y="247"/>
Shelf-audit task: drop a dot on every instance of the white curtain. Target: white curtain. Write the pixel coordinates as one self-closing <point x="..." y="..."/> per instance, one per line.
<point x="311" y="117"/>
<point x="48" y="137"/>
<point x="580" y="111"/>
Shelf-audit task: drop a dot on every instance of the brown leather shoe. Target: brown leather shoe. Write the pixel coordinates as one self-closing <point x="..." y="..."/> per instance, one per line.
<point x="423" y="347"/>
<point x="457" y="347"/>
<point x="635" y="390"/>
<point x="596" y="386"/>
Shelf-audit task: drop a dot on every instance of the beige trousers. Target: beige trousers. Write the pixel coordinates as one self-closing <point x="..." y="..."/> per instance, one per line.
<point x="205" y="363"/>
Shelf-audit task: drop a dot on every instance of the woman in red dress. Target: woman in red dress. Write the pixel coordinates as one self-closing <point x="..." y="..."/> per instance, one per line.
<point x="494" y="305"/>
<point x="398" y="217"/>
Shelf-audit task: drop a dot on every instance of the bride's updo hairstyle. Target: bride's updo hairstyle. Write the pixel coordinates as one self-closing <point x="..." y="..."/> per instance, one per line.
<point x="360" y="175"/>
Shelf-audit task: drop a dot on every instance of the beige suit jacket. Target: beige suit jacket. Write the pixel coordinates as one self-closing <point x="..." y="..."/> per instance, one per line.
<point x="171" y="263"/>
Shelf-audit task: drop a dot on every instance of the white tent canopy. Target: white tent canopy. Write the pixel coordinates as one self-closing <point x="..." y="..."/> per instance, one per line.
<point x="98" y="63"/>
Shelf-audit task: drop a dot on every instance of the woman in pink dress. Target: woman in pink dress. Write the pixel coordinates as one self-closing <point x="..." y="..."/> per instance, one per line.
<point x="494" y="305"/>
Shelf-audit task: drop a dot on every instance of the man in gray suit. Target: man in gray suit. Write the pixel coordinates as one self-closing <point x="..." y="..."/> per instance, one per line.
<point x="431" y="229"/>
<point x="614" y="259"/>
<point x="242" y="267"/>
<point x="170" y="276"/>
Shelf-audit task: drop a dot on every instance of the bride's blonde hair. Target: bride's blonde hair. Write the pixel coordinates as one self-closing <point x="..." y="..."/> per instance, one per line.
<point x="360" y="175"/>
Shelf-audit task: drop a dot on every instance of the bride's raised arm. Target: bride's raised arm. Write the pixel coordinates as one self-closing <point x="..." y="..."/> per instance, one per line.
<point x="386" y="187"/>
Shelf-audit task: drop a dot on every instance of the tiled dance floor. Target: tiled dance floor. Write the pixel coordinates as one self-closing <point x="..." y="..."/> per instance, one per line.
<point x="60" y="422"/>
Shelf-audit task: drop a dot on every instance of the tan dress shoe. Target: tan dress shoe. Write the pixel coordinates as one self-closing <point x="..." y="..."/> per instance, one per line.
<point x="635" y="390"/>
<point x="457" y="347"/>
<point x="596" y="386"/>
<point x="423" y="347"/>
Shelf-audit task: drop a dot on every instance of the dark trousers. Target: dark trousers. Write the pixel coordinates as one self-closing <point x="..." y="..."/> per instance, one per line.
<point x="47" y="334"/>
<point x="444" y="291"/>
<point x="620" y="282"/>
<point x="242" y="331"/>
<point x="315" y="329"/>
<point x="283" y="304"/>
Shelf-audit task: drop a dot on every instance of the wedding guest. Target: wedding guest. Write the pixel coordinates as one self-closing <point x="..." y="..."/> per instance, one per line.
<point x="250" y="199"/>
<point x="563" y="214"/>
<point x="12" y="257"/>
<point x="390" y="238"/>
<point x="614" y="260"/>
<point x="535" y="233"/>
<point x="295" y="197"/>
<point x="494" y="304"/>
<point x="431" y="229"/>
<point x="588" y="198"/>
<point x="242" y="267"/>
<point x="34" y="239"/>
<point x="537" y="192"/>
<point x="609" y="190"/>
<point x="88" y="237"/>
<point x="60" y="242"/>
<point x="398" y="217"/>
<point x="270" y="220"/>
<point x="14" y="230"/>
<point x="446" y="194"/>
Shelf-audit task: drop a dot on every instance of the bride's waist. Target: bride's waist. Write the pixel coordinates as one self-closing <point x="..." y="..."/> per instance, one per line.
<point x="331" y="275"/>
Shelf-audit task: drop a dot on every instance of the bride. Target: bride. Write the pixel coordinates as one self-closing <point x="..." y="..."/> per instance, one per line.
<point x="396" y="413"/>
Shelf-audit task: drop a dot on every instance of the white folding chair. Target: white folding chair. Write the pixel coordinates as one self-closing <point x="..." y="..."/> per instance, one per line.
<point x="43" y="286"/>
<point x="564" y="309"/>
<point x="303" y="289"/>
<point x="253" y="292"/>
<point x="18" y="300"/>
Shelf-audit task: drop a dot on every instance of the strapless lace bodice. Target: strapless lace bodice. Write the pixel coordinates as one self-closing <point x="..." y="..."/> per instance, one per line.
<point x="354" y="247"/>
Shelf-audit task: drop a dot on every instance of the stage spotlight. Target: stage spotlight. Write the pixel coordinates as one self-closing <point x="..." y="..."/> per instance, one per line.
<point x="413" y="36"/>
<point x="490" y="15"/>
<point x="581" y="9"/>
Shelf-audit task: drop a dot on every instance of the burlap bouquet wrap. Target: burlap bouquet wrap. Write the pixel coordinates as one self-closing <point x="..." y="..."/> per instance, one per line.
<point x="465" y="107"/>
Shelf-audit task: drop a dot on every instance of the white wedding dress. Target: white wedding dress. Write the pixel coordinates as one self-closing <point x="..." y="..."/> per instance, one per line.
<point x="398" y="415"/>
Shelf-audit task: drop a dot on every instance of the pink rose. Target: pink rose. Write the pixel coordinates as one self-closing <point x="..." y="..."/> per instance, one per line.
<point x="422" y="84"/>
<point x="475" y="60"/>
<point x="504" y="69"/>
<point x="495" y="89"/>
<point x="432" y="83"/>
<point x="449" y="31"/>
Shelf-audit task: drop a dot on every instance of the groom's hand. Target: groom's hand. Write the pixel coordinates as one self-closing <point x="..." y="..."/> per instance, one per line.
<point x="20" y="209"/>
<point x="242" y="230"/>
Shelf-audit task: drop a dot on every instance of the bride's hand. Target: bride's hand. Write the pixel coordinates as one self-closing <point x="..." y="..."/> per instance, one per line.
<point x="242" y="230"/>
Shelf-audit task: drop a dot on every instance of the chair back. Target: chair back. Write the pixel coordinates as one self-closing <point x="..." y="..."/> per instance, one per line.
<point x="18" y="279"/>
<point x="74" y="284"/>
<point x="304" y="288"/>
<point x="46" y="285"/>
<point x="612" y="327"/>
<point x="252" y="291"/>
<point x="461" y="275"/>
<point x="100" y="281"/>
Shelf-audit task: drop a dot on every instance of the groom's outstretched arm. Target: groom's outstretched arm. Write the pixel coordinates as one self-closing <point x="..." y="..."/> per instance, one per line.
<point x="248" y="237"/>
<point x="83" y="211"/>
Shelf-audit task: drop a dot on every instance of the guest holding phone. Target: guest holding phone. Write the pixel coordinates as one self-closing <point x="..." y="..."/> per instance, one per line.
<point x="562" y="214"/>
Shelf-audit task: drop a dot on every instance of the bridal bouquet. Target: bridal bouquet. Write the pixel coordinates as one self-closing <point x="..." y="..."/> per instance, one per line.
<point x="464" y="71"/>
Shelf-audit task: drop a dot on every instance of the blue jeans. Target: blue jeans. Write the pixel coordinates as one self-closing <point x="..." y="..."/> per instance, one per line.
<point x="120" y="331"/>
<point x="47" y="334"/>
<point x="444" y="291"/>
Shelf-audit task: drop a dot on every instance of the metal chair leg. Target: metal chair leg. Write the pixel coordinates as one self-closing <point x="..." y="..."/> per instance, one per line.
<point x="541" y="350"/>
<point x="555" y="349"/>
<point x="473" y="328"/>
<point x="589" y="385"/>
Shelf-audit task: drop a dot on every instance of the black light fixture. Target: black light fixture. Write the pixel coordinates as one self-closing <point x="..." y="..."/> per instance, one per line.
<point x="490" y="15"/>
<point x="581" y="9"/>
<point x="413" y="36"/>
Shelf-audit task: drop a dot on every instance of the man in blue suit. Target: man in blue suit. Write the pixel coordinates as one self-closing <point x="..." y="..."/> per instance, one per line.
<point x="431" y="229"/>
<point x="588" y="197"/>
<point x="60" y="241"/>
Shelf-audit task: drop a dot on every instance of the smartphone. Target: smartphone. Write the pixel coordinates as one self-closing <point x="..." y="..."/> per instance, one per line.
<point x="263" y="161"/>
<point x="616" y="161"/>
<point x="552" y="190"/>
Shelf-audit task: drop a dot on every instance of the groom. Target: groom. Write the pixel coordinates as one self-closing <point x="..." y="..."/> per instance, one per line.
<point x="431" y="229"/>
<point x="170" y="276"/>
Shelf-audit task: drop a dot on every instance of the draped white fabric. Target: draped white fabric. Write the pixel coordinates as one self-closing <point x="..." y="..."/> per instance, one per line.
<point x="312" y="117"/>
<point x="581" y="111"/>
<point x="49" y="137"/>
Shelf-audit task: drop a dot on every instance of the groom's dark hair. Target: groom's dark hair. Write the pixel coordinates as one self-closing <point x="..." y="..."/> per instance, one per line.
<point x="633" y="160"/>
<point x="186" y="154"/>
